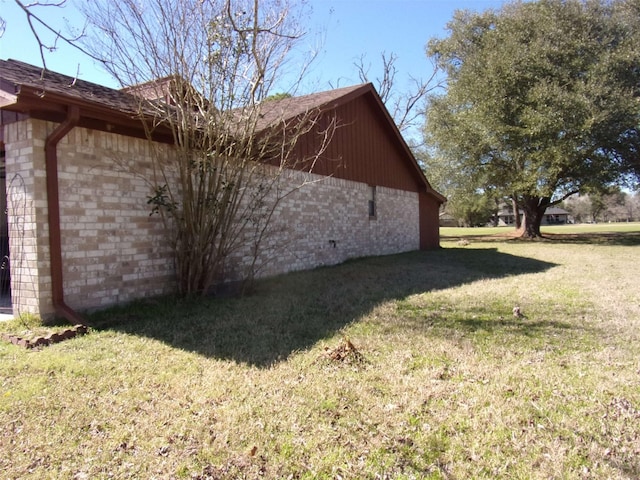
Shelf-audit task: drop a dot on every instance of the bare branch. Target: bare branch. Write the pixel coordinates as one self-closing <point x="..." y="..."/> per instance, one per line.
<point x="33" y="20"/>
<point x="363" y="71"/>
<point x="564" y="197"/>
<point x="201" y="70"/>
<point x="407" y="109"/>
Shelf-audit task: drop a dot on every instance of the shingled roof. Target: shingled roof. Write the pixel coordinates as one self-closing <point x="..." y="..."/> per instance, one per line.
<point x="47" y="95"/>
<point x="286" y="108"/>
<point x="21" y="79"/>
<point x="25" y="77"/>
<point x="44" y="94"/>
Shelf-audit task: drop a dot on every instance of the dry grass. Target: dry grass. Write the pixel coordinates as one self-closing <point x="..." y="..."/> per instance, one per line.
<point x="409" y="366"/>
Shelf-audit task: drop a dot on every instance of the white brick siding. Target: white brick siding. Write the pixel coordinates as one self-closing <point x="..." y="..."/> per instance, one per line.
<point x="114" y="251"/>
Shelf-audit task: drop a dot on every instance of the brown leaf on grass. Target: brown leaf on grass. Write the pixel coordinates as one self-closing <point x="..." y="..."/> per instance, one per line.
<point x="621" y="407"/>
<point x="345" y="352"/>
<point x="125" y="447"/>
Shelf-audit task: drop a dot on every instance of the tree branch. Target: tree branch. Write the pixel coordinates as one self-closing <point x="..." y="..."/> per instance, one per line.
<point x="72" y="41"/>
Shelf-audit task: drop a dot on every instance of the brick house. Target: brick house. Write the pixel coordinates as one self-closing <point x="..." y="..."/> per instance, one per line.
<point x="79" y="232"/>
<point x="552" y="216"/>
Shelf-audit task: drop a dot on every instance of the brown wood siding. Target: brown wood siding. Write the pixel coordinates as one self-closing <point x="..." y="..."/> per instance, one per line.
<point x="7" y="117"/>
<point x="363" y="149"/>
<point x="429" y="222"/>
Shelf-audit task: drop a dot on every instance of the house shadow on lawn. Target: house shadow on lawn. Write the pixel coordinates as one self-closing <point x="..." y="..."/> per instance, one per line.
<point x="292" y="312"/>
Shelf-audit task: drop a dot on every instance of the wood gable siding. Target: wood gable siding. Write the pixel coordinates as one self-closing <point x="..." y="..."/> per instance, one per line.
<point x="362" y="149"/>
<point x="429" y="222"/>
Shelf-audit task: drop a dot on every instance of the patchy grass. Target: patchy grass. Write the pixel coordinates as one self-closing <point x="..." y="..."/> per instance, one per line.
<point x="408" y="366"/>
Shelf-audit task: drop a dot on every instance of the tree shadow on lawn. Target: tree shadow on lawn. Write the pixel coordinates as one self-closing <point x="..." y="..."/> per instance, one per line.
<point x="597" y="238"/>
<point x="626" y="239"/>
<point x="292" y="312"/>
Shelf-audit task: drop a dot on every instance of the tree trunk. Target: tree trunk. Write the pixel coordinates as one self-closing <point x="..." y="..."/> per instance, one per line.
<point x="495" y="219"/>
<point x="534" y="209"/>
<point x="516" y="213"/>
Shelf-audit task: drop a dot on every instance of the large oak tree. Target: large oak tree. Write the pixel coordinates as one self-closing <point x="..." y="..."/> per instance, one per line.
<point x="542" y="99"/>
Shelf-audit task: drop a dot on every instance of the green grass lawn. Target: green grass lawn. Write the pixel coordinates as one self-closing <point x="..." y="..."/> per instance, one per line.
<point x="398" y="367"/>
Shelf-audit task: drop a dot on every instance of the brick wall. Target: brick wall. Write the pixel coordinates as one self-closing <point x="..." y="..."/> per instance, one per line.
<point x="27" y="217"/>
<point x="325" y="221"/>
<point x="114" y="251"/>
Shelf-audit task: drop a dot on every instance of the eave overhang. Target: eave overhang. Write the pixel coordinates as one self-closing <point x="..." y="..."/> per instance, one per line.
<point x="120" y="118"/>
<point x="51" y="106"/>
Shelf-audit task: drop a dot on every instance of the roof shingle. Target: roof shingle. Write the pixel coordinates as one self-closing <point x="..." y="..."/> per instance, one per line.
<point x="22" y="74"/>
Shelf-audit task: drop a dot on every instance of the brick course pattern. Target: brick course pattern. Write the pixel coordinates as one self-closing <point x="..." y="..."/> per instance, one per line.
<point x="114" y="251"/>
<point x="27" y="217"/>
<point x="325" y="221"/>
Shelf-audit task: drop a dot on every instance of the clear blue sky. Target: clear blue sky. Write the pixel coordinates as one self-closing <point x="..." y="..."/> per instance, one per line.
<point x="342" y="30"/>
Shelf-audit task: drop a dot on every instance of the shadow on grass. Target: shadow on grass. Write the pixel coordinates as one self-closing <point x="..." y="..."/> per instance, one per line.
<point x="527" y="326"/>
<point x="603" y="238"/>
<point x="292" y="312"/>
<point x="484" y="321"/>
<point x="627" y="239"/>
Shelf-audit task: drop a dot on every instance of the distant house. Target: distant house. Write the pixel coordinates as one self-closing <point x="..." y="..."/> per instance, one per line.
<point x="552" y="216"/>
<point x="555" y="216"/>
<point x="79" y="231"/>
<point x="447" y="220"/>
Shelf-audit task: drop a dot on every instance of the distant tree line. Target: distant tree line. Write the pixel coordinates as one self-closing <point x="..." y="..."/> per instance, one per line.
<point x="615" y="206"/>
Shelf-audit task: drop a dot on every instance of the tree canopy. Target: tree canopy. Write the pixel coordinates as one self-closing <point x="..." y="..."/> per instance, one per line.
<point x="542" y="100"/>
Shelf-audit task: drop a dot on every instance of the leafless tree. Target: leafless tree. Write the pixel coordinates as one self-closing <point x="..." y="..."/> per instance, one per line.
<point x="201" y="71"/>
<point x="42" y="29"/>
<point x="406" y="107"/>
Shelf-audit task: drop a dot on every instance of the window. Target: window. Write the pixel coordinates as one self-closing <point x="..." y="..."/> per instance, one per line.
<point x="372" y="202"/>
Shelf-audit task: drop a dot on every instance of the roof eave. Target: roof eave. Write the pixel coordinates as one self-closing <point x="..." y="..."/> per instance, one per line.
<point x="59" y="102"/>
<point x="7" y="99"/>
<point x="29" y="100"/>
